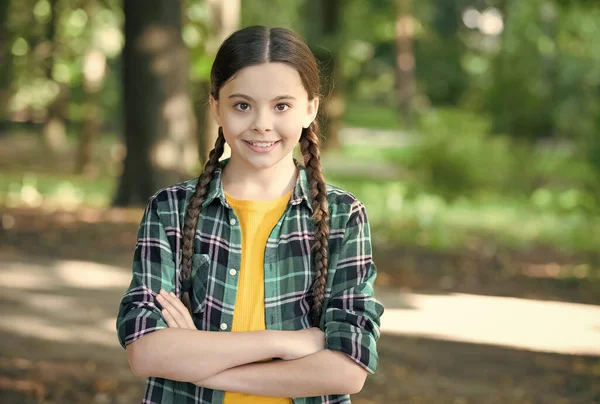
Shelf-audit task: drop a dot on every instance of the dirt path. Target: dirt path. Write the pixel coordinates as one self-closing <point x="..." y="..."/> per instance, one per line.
<point x="59" y="344"/>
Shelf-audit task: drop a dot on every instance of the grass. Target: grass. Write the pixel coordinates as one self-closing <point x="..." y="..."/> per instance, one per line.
<point x="399" y="216"/>
<point x="65" y="190"/>
<point x="400" y="210"/>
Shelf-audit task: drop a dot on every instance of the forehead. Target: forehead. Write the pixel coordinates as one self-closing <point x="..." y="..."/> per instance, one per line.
<point x="266" y="81"/>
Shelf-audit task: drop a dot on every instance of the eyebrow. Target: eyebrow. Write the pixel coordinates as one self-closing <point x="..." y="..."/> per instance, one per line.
<point x="247" y="97"/>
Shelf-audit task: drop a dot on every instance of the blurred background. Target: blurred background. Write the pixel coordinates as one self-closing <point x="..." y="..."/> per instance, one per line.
<point x="469" y="128"/>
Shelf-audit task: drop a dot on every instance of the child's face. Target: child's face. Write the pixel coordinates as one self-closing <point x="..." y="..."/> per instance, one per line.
<point x="262" y="110"/>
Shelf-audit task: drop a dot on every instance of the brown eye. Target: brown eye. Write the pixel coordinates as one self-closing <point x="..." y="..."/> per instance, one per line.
<point x="282" y="107"/>
<point x="242" y="106"/>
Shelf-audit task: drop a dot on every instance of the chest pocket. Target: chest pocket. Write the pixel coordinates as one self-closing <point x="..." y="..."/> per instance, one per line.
<point x="200" y="270"/>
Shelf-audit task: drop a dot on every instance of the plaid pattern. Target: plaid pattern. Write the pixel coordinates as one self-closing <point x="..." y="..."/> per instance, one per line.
<point x="351" y="313"/>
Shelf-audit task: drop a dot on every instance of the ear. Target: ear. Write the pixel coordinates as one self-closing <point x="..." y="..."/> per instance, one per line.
<point x="214" y="110"/>
<point x="311" y="112"/>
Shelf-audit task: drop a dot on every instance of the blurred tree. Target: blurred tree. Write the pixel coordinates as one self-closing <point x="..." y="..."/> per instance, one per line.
<point x="55" y="131"/>
<point x="93" y="72"/>
<point x="405" y="61"/>
<point x="325" y="36"/>
<point x="5" y="60"/>
<point x="440" y="50"/>
<point x="159" y="122"/>
<point x="275" y="13"/>
<point x="223" y="19"/>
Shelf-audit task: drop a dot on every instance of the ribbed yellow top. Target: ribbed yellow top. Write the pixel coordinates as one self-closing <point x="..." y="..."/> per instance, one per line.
<point x="257" y="219"/>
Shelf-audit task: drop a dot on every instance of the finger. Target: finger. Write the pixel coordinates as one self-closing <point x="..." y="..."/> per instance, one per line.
<point x="179" y="312"/>
<point x="169" y="319"/>
<point x="185" y="313"/>
<point x="172" y="311"/>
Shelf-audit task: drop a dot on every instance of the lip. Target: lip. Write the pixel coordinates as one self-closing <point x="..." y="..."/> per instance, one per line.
<point x="261" y="149"/>
<point x="261" y="141"/>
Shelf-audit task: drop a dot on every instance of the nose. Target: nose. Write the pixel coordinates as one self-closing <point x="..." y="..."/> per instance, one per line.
<point x="262" y="122"/>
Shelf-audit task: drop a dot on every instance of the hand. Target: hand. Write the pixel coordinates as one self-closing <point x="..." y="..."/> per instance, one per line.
<point x="174" y="312"/>
<point x="302" y="343"/>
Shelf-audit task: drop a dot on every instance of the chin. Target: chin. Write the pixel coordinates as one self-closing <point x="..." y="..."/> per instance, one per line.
<point x="264" y="162"/>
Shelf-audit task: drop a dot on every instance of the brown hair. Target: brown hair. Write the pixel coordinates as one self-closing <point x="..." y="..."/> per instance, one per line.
<point x="253" y="46"/>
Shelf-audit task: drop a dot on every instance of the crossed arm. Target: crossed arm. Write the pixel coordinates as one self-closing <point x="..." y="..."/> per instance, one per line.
<point x="231" y="361"/>
<point x="234" y="361"/>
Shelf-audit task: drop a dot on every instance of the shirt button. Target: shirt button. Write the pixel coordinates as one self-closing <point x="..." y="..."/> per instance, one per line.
<point x="232" y="272"/>
<point x="223" y="326"/>
<point x="232" y="222"/>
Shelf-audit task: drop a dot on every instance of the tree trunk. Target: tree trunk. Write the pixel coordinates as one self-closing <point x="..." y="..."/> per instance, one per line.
<point x="5" y="61"/>
<point x="93" y="74"/>
<point x="405" y="62"/>
<point x="225" y="17"/>
<point x="55" y="131"/>
<point x="324" y="37"/>
<point x="94" y="71"/>
<point x="159" y="122"/>
<point x="335" y="104"/>
<point x="89" y="132"/>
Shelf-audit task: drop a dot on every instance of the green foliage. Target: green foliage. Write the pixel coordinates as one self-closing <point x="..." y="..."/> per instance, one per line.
<point x="399" y="213"/>
<point x="370" y="116"/>
<point x="458" y="155"/>
<point x="277" y="13"/>
<point x="43" y="64"/>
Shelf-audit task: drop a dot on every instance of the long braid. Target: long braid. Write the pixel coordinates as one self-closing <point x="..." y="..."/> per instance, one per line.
<point x="309" y="145"/>
<point x="191" y="217"/>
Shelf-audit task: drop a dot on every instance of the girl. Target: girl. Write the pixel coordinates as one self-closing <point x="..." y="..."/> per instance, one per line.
<point x="254" y="282"/>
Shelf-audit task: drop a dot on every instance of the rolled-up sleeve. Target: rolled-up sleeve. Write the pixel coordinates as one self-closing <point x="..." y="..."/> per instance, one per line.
<point x="352" y="316"/>
<point x="153" y="269"/>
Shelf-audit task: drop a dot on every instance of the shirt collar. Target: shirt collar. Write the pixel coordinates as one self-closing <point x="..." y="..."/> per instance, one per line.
<point x="299" y="195"/>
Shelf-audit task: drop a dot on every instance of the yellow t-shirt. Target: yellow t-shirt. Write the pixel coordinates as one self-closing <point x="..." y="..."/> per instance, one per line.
<point x="257" y="219"/>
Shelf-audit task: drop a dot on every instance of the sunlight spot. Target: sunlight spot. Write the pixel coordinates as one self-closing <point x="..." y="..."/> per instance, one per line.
<point x="191" y="35"/>
<point x="90" y="275"/>
<point x="545" y="326"/>
<point x="65" y="307"/>
<point x="78" y="20"/>
<point x="165" y="154"/>
<point x="20" y="47"/>
<point x="490" y="22"/>
<point x="21" y="278"/>
<point x="471" y="17"/>
<point x="29" y="326"/>
<point x="8" y="221"/>
<point x="94" y="69"/>
<point x="34" y="327"/>
<point x="109" y="324"/>
<point x="42" y="11"/>
<point x="110" y="40"/>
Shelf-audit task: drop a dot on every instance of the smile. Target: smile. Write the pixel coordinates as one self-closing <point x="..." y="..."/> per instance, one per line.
<point x="261" y="147"/>
<point x="261" y="144"/>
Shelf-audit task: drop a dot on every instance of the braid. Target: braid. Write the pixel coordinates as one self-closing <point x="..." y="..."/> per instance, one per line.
<point x="309" y="144"/>
<point x="191" y="217"/>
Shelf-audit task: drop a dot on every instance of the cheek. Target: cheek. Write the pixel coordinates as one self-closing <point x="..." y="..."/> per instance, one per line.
<point x="290" y="128"/>
<point x="234" y="125"/>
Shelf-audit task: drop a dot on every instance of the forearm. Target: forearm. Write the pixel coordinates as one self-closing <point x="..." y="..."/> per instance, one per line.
<point x="325" y="372"/>
<point x="189" y="355"/>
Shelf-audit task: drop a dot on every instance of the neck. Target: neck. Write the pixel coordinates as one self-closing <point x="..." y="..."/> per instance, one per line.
<point x="259" y="185"/>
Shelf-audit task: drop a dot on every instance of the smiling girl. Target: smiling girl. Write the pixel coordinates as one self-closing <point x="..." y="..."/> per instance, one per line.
<point x="254" y="282"/>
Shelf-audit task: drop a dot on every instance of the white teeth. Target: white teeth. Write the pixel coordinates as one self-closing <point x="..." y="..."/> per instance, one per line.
<point x="263" y="144"/>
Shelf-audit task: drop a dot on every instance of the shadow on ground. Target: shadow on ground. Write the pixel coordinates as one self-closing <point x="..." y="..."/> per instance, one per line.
<point x="411" y="370"/>
<point x="59" y="343"/>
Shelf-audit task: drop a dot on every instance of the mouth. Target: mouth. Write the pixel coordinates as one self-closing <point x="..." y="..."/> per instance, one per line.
<point x="261" y="144"/>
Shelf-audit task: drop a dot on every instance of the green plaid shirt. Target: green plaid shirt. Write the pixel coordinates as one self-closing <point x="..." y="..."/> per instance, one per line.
<point x="351" y="313"/>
